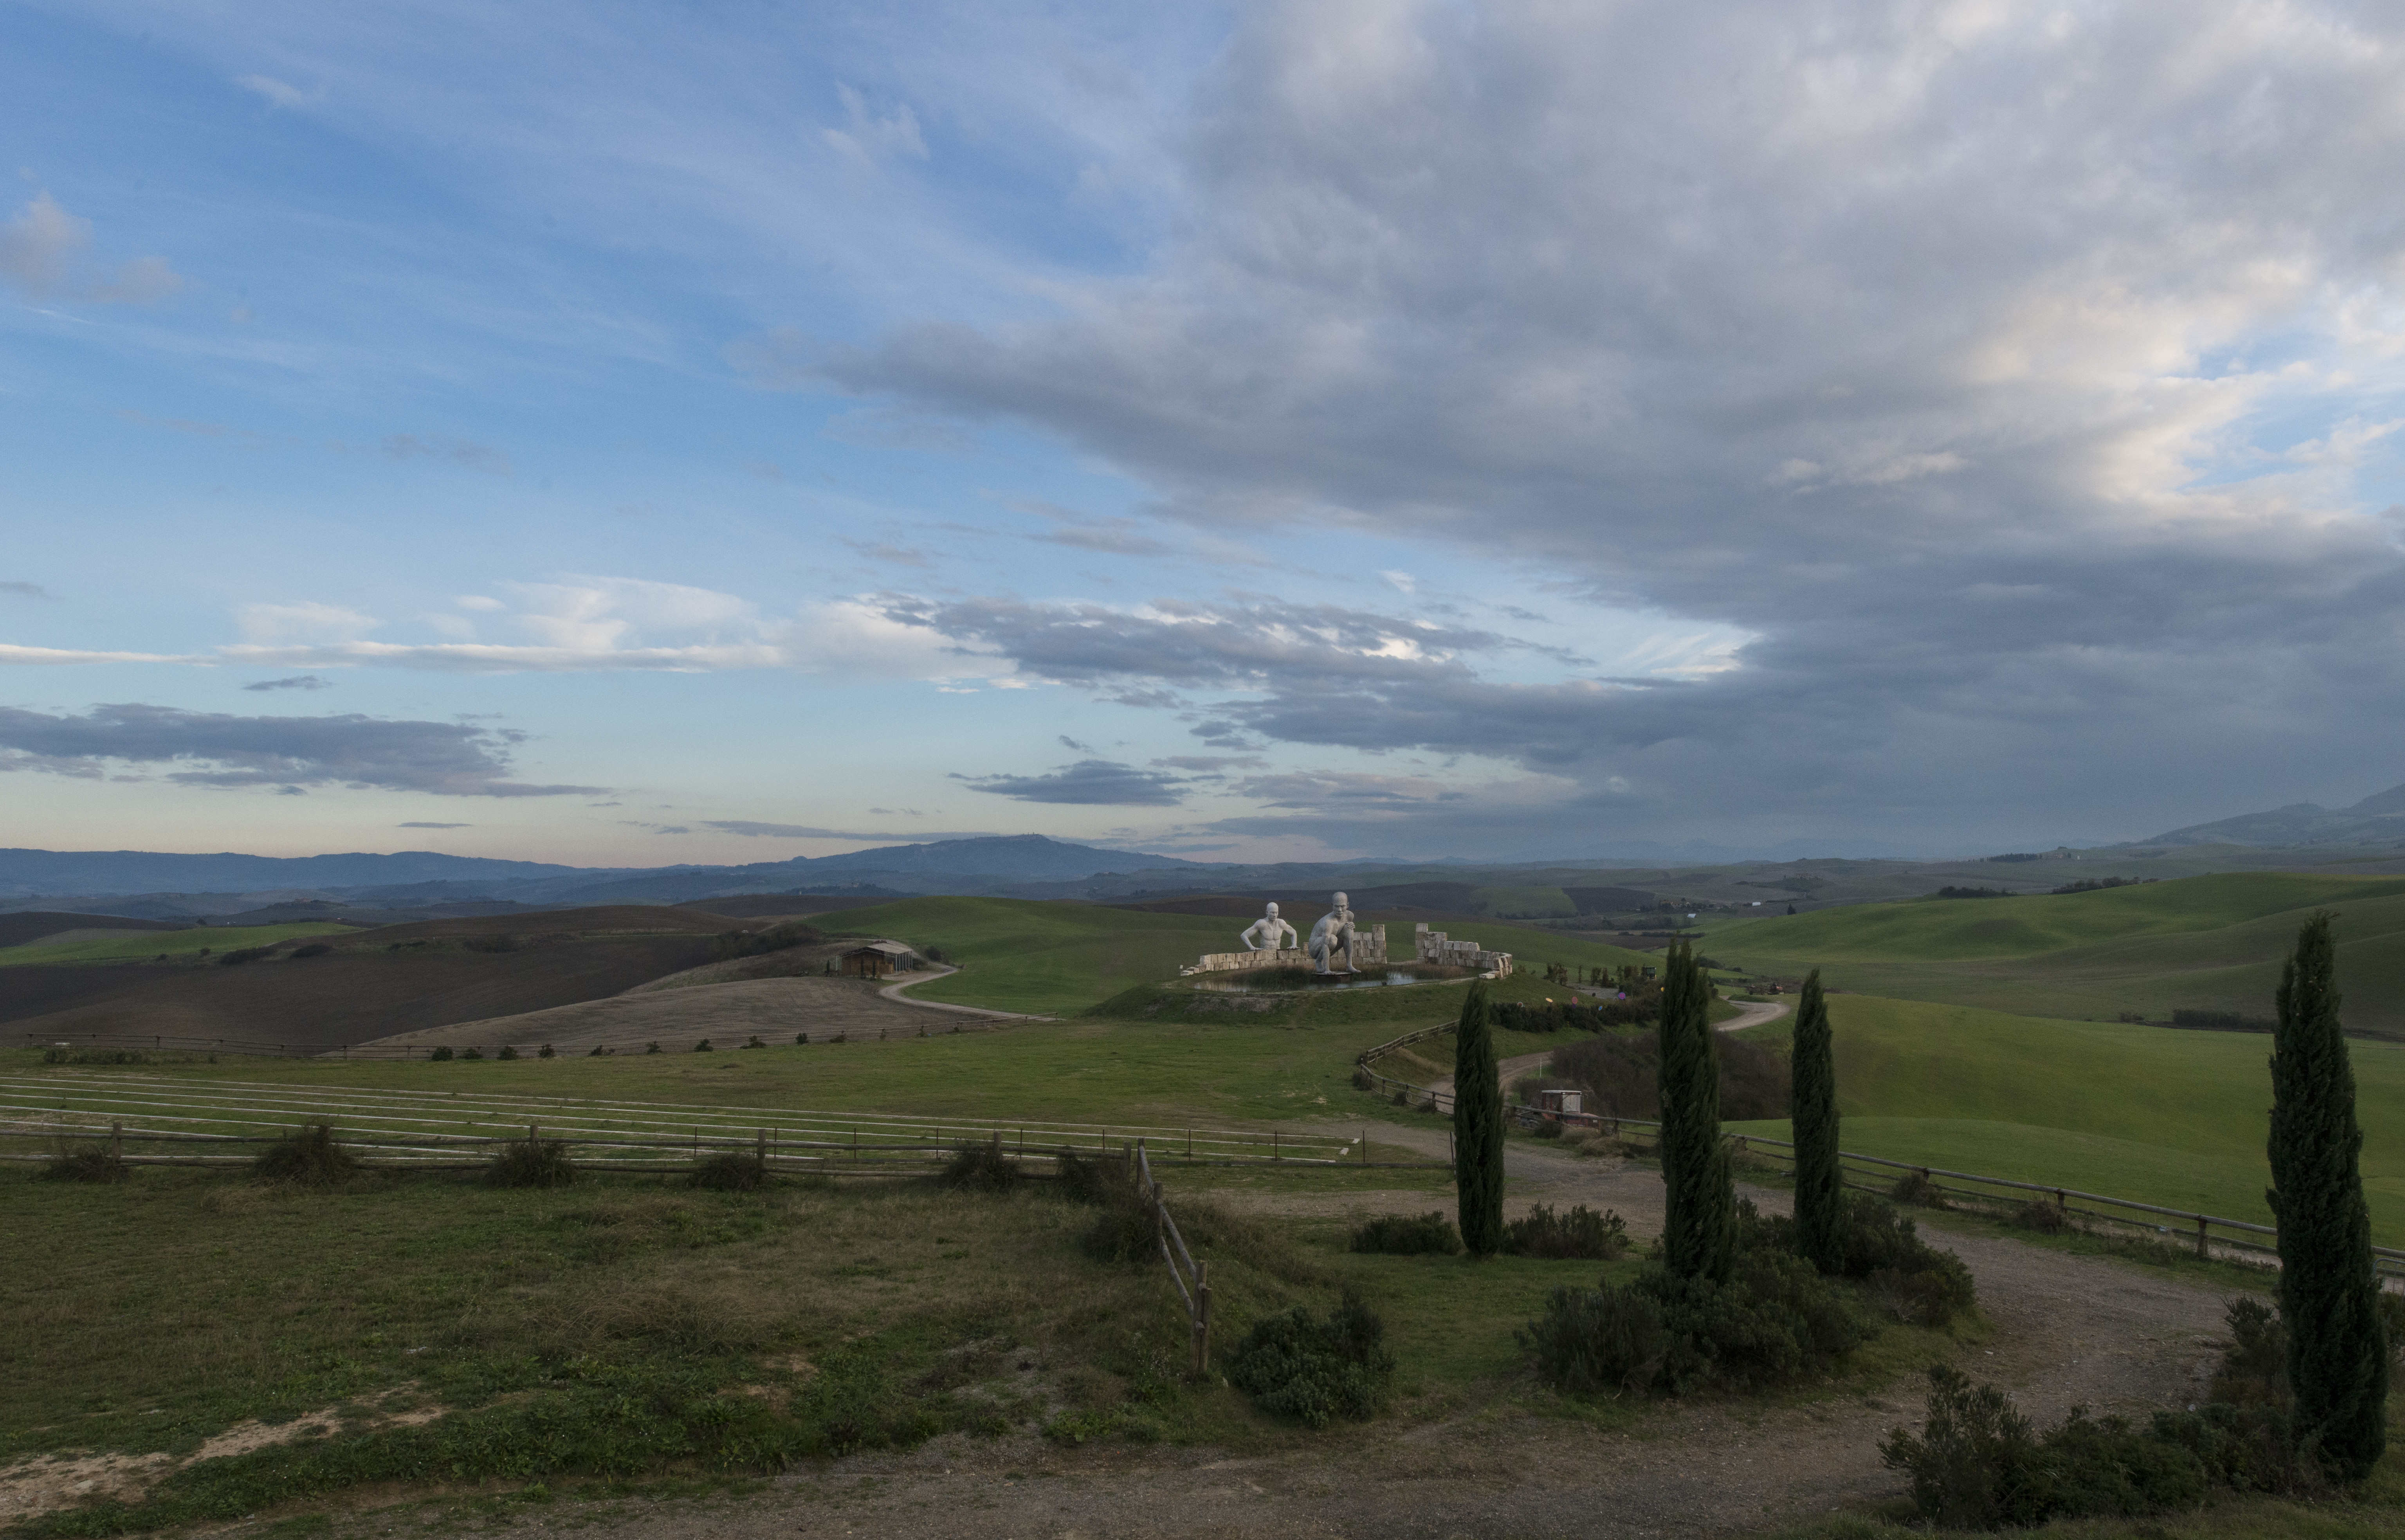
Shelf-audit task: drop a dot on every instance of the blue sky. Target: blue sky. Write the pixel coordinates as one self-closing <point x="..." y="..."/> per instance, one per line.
<point x="631" y="434"/>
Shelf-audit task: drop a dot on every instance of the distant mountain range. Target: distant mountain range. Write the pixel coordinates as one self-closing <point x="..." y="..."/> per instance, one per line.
<point x="425" y="876"/>
<point x="2378" y="820"/>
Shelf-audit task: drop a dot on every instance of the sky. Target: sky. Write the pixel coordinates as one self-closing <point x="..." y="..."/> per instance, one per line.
<point x="627" y="434"/>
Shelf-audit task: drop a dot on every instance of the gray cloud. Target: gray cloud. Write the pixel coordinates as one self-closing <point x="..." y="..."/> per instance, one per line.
<point x="1956" y="367"/>
<point x="296" y="681"/>
<point x="1087" y="783"/>
<point x="448" y="759"/>
<point x="805" y="830"/>
<point x="38" y="250"/>
<point x="25" y="590"/>
<point x="417" y="825"/>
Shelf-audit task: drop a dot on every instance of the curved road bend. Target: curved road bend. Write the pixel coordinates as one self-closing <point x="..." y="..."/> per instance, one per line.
<point x="1508" y="1069"/>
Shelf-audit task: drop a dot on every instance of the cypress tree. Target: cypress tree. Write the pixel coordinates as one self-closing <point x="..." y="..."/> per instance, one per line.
<point x="1700" y="1201"/>
<point x="1478" y="1127"/>
<point x="2337" y="1354"/>
<point x="1820" y="1188"/>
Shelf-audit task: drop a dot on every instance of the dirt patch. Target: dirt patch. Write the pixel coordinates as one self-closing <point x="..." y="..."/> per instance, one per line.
<point x="771" y="1009"/>
<point x="44" y="1484"/>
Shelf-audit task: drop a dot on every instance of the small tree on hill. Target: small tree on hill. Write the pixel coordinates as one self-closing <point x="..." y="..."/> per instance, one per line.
<point x="2337" y="1354"/>
<point x="1478" y="1127"/>
<point x="1819" y="1187"/>
<point x="1699" y="1202"/>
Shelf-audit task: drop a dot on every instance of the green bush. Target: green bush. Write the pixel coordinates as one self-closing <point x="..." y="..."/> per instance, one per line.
<point x="2043" y="1217"/>
<point x="307" y="1157"/>
<point x="1400" y="1235"/>
<point x="531" y="1163"/>
<point x="314" y="949"/>
<point x="1319" y="1370"/>
<point x="1580" y="1235"/>
<point x="703" y="1047"/>
<point x="980" y="1167"/>
<point x="94" y="1056"/>
<point x="1776" y="1320"/>
<point x="1978" y="1463"/>
<point x="507" y="1052"/>
<point x="244" y="954"/>
<point x="546" y="1052"/>
<point x="440" y="1056"/>
<point x="1916" y="1188"/>
<point x="730" y="1171"/>
<point x="470" y="1054"/>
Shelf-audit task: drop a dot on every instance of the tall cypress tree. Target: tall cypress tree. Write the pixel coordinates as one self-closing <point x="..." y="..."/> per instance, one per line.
<point x="1699" y="1199"/>
<point x="1819" y="1187"/>
<point x="2337" y="1355"/>
<point x="1478" y="1127"/>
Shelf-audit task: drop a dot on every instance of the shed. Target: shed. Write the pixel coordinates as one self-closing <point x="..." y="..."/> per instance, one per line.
<point x="1558" y="1102"/>
<point x="877" y="959"/>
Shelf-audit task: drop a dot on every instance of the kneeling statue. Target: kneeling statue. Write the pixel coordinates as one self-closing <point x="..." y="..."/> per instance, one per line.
<point x="1333" y="934"/>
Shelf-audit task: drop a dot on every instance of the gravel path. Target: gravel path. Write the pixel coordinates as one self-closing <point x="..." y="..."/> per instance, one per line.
<point x="2067" y="1329"/>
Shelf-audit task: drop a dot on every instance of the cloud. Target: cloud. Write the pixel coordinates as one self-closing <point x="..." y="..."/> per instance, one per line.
<point x="38" y="251"/>
<point x="211" y="748"/>
<point x="803" y="830"/>
<point x="296" y="681"/>
<point x="26" y="590"/>
<point x="417" y="825"/>
<point x="1087" y="783"/>
<point x="279" y="94"/>
<point x="865" y="138"/>
<point x="1954" y="354"/>
<point x="897" y="554"/>
<point x="307" y="620"/>
<point x="460" y="452"/>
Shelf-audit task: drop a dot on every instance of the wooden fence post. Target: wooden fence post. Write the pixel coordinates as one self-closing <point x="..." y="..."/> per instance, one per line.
<point x="1202" y="1319"/>
<point x="2202" y="1254"/>
<point x="116" y="1140"/>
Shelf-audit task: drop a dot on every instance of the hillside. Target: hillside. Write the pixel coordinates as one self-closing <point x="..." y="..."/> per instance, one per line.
<point x="2209" y="943"/>
<point x="1023" y="954"/>
<point x="368" y="984"/>
<point x="2165" y="1116"/>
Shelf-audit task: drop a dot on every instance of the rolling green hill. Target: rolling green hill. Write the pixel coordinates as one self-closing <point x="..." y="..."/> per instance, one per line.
<point x="135" y="946"/>
<point x="1043" y="957"/>
<point x="2165" y="1116"/>
<point x="2212" y="943"/>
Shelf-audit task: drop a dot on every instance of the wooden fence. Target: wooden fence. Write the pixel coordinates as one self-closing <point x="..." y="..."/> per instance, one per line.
<point x="1193" y="1278"/>
<point x="167" y="1043"/>
<point x="2209" y="1232"/>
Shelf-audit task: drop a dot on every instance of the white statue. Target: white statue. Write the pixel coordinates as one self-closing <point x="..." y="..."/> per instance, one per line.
<point x="1263" y="934"/>
<point x="1334" y="932"/>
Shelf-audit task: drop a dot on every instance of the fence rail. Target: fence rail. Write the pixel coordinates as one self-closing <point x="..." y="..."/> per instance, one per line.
<point x="158" y="1043"/>
<point x="2209" y="1231"/>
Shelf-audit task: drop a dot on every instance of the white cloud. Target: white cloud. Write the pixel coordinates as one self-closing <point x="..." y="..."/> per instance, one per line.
<point x="39" y="252"/>
<point x="276" y="93"/>
<point x="308" y="620"/>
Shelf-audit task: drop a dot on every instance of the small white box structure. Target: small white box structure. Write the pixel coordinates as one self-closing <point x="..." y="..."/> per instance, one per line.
<point x="1558" y="1102"/>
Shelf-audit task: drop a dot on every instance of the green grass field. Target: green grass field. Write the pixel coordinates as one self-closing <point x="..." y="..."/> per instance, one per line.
<point x="2211" y="943"/>
<point x="1044" y="958"/>
<point x="137" y="945"/>
<point x="2169" y="1117"/>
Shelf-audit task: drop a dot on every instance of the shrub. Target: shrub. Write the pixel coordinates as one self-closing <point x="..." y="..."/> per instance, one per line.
<point x="1100" y="1182"/>
<point x="244" y="954"/>
<point x="730" y="1171"/>
<point x="1913" y="1280"/>
<point x="1580" y="1235"/>
<point x="546" y="1052"/>
<point x="531" y="1163"/>
<point x="91" y="1163"/>
<point x="1317" y="1370"/>
<point x="471" y="1053"/>
<point x="1916" y="1188"/>
<point x="801" y="1039"/>
<point x="980" y="1167"/>
<point x="703" y="1046"/>
<point x="440" y="1056"/>
<point x="2043" y="1217"/>
<point x="1775" y="1320"/>
<point x="306" y="1158"/>
<point x="1550" y="1129"/>
<point x="312" y="949"/>
<point x="1978" y="1463"/>
<point x="1401" y="1235"/>
<point x="1623" y="1075"/>
<point x="775" y="938"/>
<point x="94" y="1056"/>
<point x="600" y="1050"/>
<point x="507" y="1052"/>
<point x="650" y="1048"/>
<point x="755" y="1042"/>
